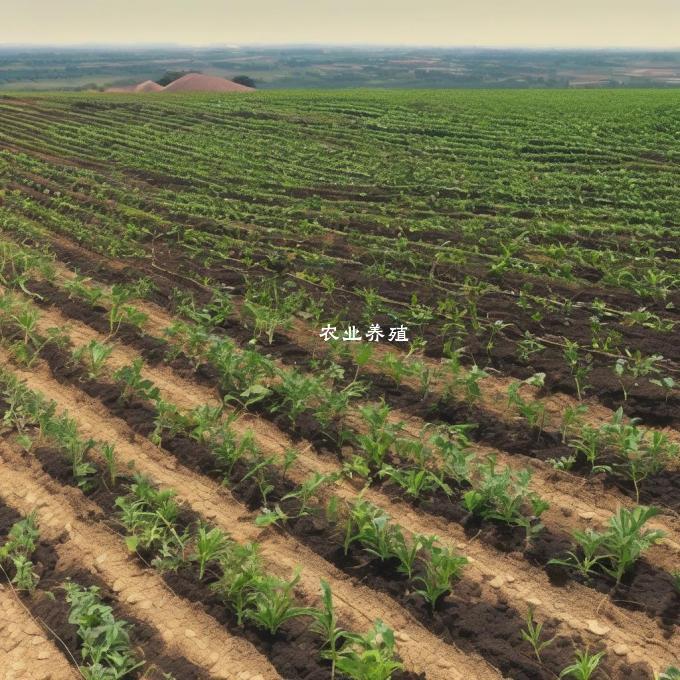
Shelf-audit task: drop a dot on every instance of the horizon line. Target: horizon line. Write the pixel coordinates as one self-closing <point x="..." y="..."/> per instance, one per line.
<point x="345" y="45"/>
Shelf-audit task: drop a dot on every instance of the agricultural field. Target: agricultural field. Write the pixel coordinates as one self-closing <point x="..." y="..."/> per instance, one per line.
<point x="355" y="385"/>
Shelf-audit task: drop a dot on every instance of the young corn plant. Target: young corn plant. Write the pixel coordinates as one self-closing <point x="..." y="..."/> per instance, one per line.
<point x="108" y="452"/>
<point x="22" y="540"/>
<point x="532" y="634"/>
<point x="169" y="422"/>
<point x="470" y="383"/>
<point x="416" y="482"/>
<point x="267" y="308"/>
<point x="210" y="545"/>
<point x="408" y="552"/>
<point x="442" y="569"/>
<point x="134" y="384"/>
<point x="105" y="640"/>
<point x="584" y="666"/>
<point x="273" y="603"/>
<point x="453" y="447"/>
<point x="637" y="365"/>
<point x="150" y="516"/>
<point x="580" y="366"/>
<point x="241" y="573"/>
<point x="93" y="356"/>
<point x="371" y="528"/>
<point x="120" y="312"/>
<point x="79" y="288"/>
<point x="381" y="435"/>
<point x="242" y="374"/>
<point x="295" y="393"/>
<point x="308" y="490"/>
<point x="64" y="431"/>
<point x="626" y="539"/>
<point x="505" y="496"/>
<point x="590" y="443"/>
<point x="589" y="556"/>
<point x="204" y="423"/>
<point x="228" y="450"/>
<point x="371" y="656"/>
<point x="332" y="408"/>
<point x="532" y="411"/>
<point x="24" y="407"/>
<point x="616" y="549"/>
<point x="325" y="625"/>
<point x="638" y="454"/>
<point x="27" y="349"/>
<point x="572" y="420"/>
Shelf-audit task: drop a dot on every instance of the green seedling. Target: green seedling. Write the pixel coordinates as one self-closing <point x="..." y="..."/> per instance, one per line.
<point x="22" y="540"/>
<point x="325" y="625"/>
<point x="210" y="546"/>
<point x="273" y="603"/>
<point x="105" y="640"/>
<point x="442" y="569"/>
<point x="584" y="666"/>
<point x="532" y="634"/>
<point x="370" y="656"/>
<point x="93" y="356"/>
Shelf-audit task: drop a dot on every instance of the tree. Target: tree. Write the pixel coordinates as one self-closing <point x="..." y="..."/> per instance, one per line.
<point x="170" y="76"/>
<point x="244" y="80"/>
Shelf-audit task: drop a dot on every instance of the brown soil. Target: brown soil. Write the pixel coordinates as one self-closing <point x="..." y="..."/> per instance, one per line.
<point x="503" y="578"/>
<point x="197" y="82"/>
<point x="191" y="455"/>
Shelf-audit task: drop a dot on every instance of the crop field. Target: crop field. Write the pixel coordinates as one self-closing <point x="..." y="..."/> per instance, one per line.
<point x="354" y="385"/>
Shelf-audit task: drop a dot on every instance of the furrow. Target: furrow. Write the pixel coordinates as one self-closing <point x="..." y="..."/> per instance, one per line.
<point x="25" y="650"/>
<point x="421" y="650"/>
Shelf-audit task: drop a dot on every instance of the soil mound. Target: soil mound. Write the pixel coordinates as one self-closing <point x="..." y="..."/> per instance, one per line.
<point x="197" y="82"/>
<point x="148" y="86"/>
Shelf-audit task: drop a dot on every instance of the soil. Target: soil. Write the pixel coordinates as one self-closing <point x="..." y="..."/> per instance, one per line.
<point x="293" y="650"/>
<point x="49" y="607"/>
<point x="645" y="588"/>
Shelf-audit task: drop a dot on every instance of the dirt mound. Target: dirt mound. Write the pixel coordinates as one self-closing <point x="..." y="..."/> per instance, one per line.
<point x="197" y="82"/>
<point x="147" y="86"/>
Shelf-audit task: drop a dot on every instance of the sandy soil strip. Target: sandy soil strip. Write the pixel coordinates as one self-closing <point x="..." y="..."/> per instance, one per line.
<point x="25" y="651"/>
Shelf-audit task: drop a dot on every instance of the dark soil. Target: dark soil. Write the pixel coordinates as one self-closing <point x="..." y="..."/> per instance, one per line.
<point x="465" y="617"/>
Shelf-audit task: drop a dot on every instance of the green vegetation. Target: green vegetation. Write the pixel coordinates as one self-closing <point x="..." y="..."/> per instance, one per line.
<point x="21" y="542"/>
<point x="105" y="640"/>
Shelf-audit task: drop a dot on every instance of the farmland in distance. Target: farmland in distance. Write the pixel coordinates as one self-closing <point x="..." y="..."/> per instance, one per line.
<point x="188" y="428"/>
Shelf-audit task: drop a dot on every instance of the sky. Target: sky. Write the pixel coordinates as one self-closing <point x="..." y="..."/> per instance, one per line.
<point x="506" y="23"/>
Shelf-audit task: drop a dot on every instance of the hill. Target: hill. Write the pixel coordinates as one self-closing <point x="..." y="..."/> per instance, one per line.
<point x="197" y="82"/>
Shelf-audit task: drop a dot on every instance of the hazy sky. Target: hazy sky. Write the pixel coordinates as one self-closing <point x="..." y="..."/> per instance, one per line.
<point x="580" y="23"/>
